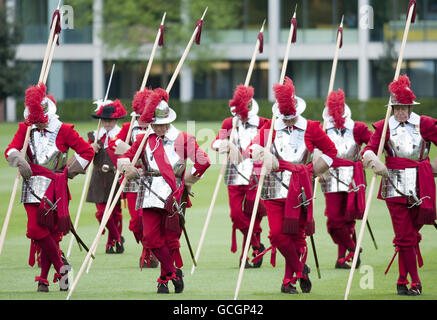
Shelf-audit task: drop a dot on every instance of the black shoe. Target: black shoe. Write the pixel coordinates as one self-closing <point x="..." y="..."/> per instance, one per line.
<point x="179" y="281"/>
<point x="260" y="261"/>
<point x="341" y="265"/>
<point x="305" y="282"/>
<point x="163" y="287"/>
<point x="119" y="247"/>
<point x="110" y="250"/>
<point x="247" y="265"/>
<point x="415" y="290"/>
<point x="289" y="288"/>
<point x="402" y="289"/>
<point x="42" y="287"/>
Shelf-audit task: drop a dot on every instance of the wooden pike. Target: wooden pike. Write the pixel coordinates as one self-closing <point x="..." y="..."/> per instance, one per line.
<point x="89" y="172"/>
<point x="263" y="169"/>
<point x="106" y="215"/>
<point x="380" y="149"/>
<point x="48" y="55"/>
<point x="223" y="167"/>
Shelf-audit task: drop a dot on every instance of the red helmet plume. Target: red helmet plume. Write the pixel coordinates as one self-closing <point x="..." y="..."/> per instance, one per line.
<point x="33" y="99"/>
<point x="335" y="104"/>
<point x="152" y="102"/>
<point x="401" y="92"/>
<point x="285" y="96"/>
<point x="242" y="97"/>
<point x="139" y="102"/>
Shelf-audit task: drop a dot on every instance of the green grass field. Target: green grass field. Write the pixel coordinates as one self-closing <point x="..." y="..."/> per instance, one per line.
<point x="118" y="277"/>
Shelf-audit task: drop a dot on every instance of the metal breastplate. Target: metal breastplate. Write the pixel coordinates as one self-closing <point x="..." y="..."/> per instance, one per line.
<point x="134" y="184"/>
<point x="46" y="154"/>
<point x="289" y="146"/>
<point x="345" y="143"/>
<point x="348" y="149"/>
<point x="406" y="142"/>
<point x="155" y="181"/>
<point x="240" y="174"/>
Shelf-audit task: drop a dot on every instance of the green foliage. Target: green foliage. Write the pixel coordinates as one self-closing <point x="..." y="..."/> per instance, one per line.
<point x="11" y="75"/>
<point x="217" y="110"/>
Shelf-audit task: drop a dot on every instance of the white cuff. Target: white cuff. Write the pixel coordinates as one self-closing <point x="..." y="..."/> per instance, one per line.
<point x="194" y="172"/>
<point x="10" y="151"/>
<point x="327" y="159"/>
<point x="217" y="143"/>
<point x="83" y="162"/>
<point x="367" y="151"/>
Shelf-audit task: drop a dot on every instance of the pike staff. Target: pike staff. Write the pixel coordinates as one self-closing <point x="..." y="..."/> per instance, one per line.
<point x="55" y="30"/>
<point x="258" y="47"/>
<point x="159" y="41"/>
<point x="89" y="170"/>
<point x="410" y="19"/>
<point x="195" y="36"/>
<point x="291" y="39"/>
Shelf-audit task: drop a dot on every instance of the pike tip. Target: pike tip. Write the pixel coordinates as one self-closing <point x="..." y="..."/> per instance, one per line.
<point x="342" y="19"/>
<point x="163" y="18"/>
<point x="262" y="28"/>
<point x="204" y="13"/>
<point x="295" y="10"/>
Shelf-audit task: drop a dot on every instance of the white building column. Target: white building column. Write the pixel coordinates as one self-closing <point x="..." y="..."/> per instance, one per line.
<point x="274" y="31"/>
<point x="365" y="13"/>
<point x="11" y="113"/>
<point x="98" y="68"/>
<point x="186" y="84"/>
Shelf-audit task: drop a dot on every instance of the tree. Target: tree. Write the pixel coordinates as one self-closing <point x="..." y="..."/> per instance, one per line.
<point x="11" y="74"/>
<point x="128" y="25"/>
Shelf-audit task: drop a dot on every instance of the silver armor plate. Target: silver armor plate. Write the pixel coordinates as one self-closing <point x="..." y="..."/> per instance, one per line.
<point x="134" y="184"/>
<point x="345" y="143"/>
<point x="406" y="142"/>
<point x="289" y="145"/>
<point x="46" y="154"/>
<point x="343" y="174"/>
<point x="244" y="135"/>
<point x="147" y="199"/>
<point x="404" y="180"/>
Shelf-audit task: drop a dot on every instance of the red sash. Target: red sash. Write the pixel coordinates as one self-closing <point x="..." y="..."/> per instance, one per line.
<point x="166" y="170"/>
<point x="56" y="191"/>
<point x="356" y="201"/>
<point x="426" y="212"/>
<point x="301" y="177"/>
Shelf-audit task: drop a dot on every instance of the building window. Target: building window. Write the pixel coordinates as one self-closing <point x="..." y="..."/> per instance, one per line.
<point x="32" y="17"/>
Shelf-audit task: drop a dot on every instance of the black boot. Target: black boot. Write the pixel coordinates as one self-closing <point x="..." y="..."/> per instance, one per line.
<point x="402" y="289"/>
<point x="109" y="250"/>
<point x="179" y="281"/>
<point x="163" y="285"/>
<point x="305" y="282"/>
<point x="247" y="265"/>
<point x="288" y="288"/>
<point x="259" y="250"/>
<point x="415" y="290"/>
<point x="119" y="246"/>
<point x="341" y="263"/>
<point x="42" y="287"/>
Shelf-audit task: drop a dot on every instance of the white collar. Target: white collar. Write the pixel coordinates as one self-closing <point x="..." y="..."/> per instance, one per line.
<point x="348" y="124"/>
<point x="111" y="134"/>
<point x="414" y="119"/>
<point x="252" y="119"/>
<point x="301" y="123"/>
<point x="53" y="123"/>
<point x="171" y="134"/>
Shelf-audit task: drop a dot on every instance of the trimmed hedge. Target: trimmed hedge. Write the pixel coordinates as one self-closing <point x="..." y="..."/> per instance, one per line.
<point x="217" y="110"/>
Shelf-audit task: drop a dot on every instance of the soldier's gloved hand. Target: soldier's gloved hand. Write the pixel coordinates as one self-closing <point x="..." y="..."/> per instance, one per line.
<point x="96" y="147"/>
<point x="16" y="159"/>
<point x="74" y="168"/>
<point x="224" y="146"/>
<point x="121" y="148"/>
<point x="434" y="166"/>
<point x="257" y="152"/>
<point x="370" y="160"/>
<point x="270" y="162"/>
<point x="320" y="167"/>
<point x="127" y="168"/>
<point x="235" y="155"/>
<point x="189" y="180"/>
